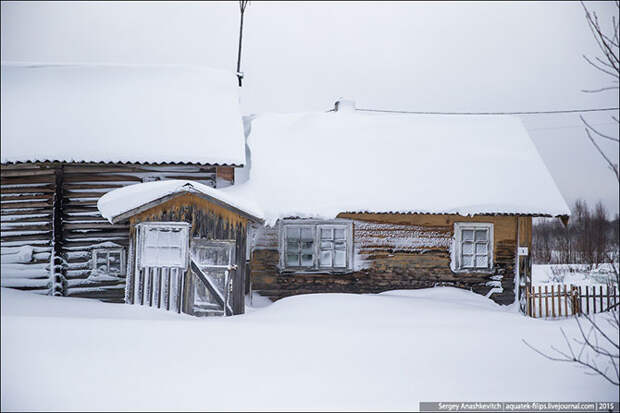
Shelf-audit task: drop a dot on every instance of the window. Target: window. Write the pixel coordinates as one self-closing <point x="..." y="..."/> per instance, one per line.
<point x="316" y="245"/>
<point x="474" y="246"/>
<point x="110" y="261"/>
<point x="163" y="244"/>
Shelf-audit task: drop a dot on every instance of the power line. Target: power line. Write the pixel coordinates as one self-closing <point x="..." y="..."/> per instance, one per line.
<point x="542" y="112"/>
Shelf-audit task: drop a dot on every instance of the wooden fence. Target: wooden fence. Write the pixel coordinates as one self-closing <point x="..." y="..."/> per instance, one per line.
<point x="561" y="300"/>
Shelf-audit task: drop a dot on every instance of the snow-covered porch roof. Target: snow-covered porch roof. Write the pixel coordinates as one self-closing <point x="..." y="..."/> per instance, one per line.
<point x="120" y="204"/>
<point x="120" y="113"/>
<point x="323" y="164"/>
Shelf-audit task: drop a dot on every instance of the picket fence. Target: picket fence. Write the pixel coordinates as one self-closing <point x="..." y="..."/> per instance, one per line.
<point x="562" y="300"/>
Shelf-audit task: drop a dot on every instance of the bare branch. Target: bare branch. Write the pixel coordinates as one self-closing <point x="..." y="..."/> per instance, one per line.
<point x="611" y="138"/>
<point x="613" y="166"/>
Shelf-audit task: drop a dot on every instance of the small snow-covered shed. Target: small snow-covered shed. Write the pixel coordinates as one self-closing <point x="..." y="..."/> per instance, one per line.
<point x="187" y="245"/>
<point x="359" y="201"/>
<point x="72" y="132"/>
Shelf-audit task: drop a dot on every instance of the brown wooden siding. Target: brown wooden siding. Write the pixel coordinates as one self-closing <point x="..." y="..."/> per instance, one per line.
<point x="27" y="219"/>
<point x="396" y="251"/>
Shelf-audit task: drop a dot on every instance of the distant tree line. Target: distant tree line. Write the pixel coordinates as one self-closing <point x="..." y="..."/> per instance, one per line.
<point x="590" y="237"/>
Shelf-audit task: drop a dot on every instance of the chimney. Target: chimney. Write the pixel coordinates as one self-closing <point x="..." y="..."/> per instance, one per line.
<point x="344" y="105"/>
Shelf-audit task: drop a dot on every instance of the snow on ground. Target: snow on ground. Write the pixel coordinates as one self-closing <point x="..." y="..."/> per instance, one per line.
<point x="324" y="351"/>
<point x="575" y="274"/>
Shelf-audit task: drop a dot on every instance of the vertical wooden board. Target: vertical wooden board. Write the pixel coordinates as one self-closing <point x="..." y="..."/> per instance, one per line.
<point x="600" y="292"/>
<point x="546" y="302"/>
<point x="539" y="301"/>
<point x="552" y="301"/>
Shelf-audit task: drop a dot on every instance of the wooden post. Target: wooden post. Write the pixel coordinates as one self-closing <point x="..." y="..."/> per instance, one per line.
<point x="608" y="297"/>
<point x="587" y="299"/>
<point x="57" y="268"/>
<point x="600" y="290"/>
<point x="593" y="300"/>
<point x="527" y="302"/>
<point x="559" y="300"/>
<point x="552" y="301"/>
<point x="579" y="298"/>
<point x="546" y="303"/>
<point x="539" y="301"/>
<point x="565" y="300"/>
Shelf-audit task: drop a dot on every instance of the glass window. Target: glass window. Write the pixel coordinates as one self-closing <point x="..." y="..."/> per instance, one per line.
<point x="316" y="246"/>
<point x="110" y="261"/>
<point x="474" y="241"/>
<point x="164" y="245"/>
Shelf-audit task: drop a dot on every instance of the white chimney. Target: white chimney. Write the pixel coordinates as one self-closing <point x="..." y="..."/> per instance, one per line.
<point x="344" y="105"/>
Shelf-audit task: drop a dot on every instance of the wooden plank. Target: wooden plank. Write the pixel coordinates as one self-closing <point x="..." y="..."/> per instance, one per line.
<point x="109" y="187"/>
<point x="593" y="299"/>
<point x="608" y="298"/>
<point x="25" y="197"/>
<point x="31" y="227"/>
<point x="539" y="301"/>
<point x="565" y="301"/>
<point x="552" y="301"/>
<point x="580" y="299"/>
<point x="16" y="205"/>
<point x="6" y="173"/>
<point x="587" y="299"/>
<point x="559" y="300"/>
<point x="47" y="189"/>
<point x="43" y="179"/>
<point x="74" y="178"/>
<point x="600" y="292"/>
<point x="70" y="226"/>
<point x="546" y="302"/>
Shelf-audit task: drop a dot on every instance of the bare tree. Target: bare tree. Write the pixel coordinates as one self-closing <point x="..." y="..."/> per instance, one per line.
<point x="608" y="63"/>
<point x="597" y="350"/>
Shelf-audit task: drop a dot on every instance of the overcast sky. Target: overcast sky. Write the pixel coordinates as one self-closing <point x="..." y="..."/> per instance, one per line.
<point x="501" y="56"/>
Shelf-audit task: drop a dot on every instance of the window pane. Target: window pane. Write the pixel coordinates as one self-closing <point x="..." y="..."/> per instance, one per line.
<point x="481" y="248"/>
<point x="326" y="233"/>
<point x="292" y="246"/>
<point x="468" y="261"/>
<point x="481" y="235"/>
<point x="292" y="260"/>
<point x="339" y="258"/>
<point x="307" y="247"/>
<point x="306" y="260"/>
<point x="468" y="248"/>
<point x="325" y="259"/>
<point x="327" y="245"/>
<point x="339" y="233"/>
<point x="340" y="245"/>
<point x="468" y="235"/>
<point x="482" y="261"/>
<point x="292" y="233"/>
<point x="306" y="234"/>
<point x="114" y="262"/>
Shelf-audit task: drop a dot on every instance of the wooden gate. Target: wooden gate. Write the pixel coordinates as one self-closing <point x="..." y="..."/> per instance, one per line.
<point x="194" y="276"/>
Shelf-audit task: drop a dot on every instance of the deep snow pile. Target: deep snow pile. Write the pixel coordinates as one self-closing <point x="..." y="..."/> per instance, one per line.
<point x="327" y="351"/>
<point x="120" y="113"/>
<point x="320" y="164"/>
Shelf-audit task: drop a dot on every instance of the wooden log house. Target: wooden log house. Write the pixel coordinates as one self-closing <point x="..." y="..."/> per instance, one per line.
<point x="72" y="133"/>
<point x="364" y="202"/>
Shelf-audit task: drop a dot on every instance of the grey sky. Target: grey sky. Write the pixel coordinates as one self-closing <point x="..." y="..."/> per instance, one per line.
<point x="299" y="56"/>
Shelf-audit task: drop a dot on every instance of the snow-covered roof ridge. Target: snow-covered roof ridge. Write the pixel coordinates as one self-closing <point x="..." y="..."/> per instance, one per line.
<point x="126" y="113"/>
<point x="323" y="164"/>
<point x="119" y="204"/>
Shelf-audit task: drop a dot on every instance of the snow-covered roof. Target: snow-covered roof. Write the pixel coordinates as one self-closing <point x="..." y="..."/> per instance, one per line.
<point x="120" y="113"/>
<point x="119" y="204"/>
<point x="322" y="164"/>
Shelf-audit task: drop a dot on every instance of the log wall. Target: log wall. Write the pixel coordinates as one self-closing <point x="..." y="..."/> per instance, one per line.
<point x="49" y="213"/>
<point x="396" y="251"/>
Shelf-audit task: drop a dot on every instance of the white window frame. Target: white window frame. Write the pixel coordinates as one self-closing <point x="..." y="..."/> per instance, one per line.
<point x="143" y="227"/>
<point x="316" y="226"/>
<point x="459" y="227"/>
<point x="107" y="252"/>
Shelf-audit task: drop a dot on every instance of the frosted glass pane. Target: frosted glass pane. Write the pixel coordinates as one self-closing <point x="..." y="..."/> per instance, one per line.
<point x="325" y="259"/>
<point x="339" y="233"/>
<point x="292" y="259"/>
<point x="292" y="233"/>
<point x="340" y="245"/>
<point x="468" y="235"/>
<point x="481" y="235"/>
<point x="306" y="260"/>
<point x="468" y="248"/>
<point x="292" y="246"/>
<point x="306" y="234"/>
<point x="339" y="258"/>
<point x="326" y="233"/>
<point x="481" y="248"/>
<point x="468" y="261"/>
<point x="482" y="261"/>
<point x="114" y="262"/>
<point x="326" y="245"/>
<point x="307" y="247"/>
